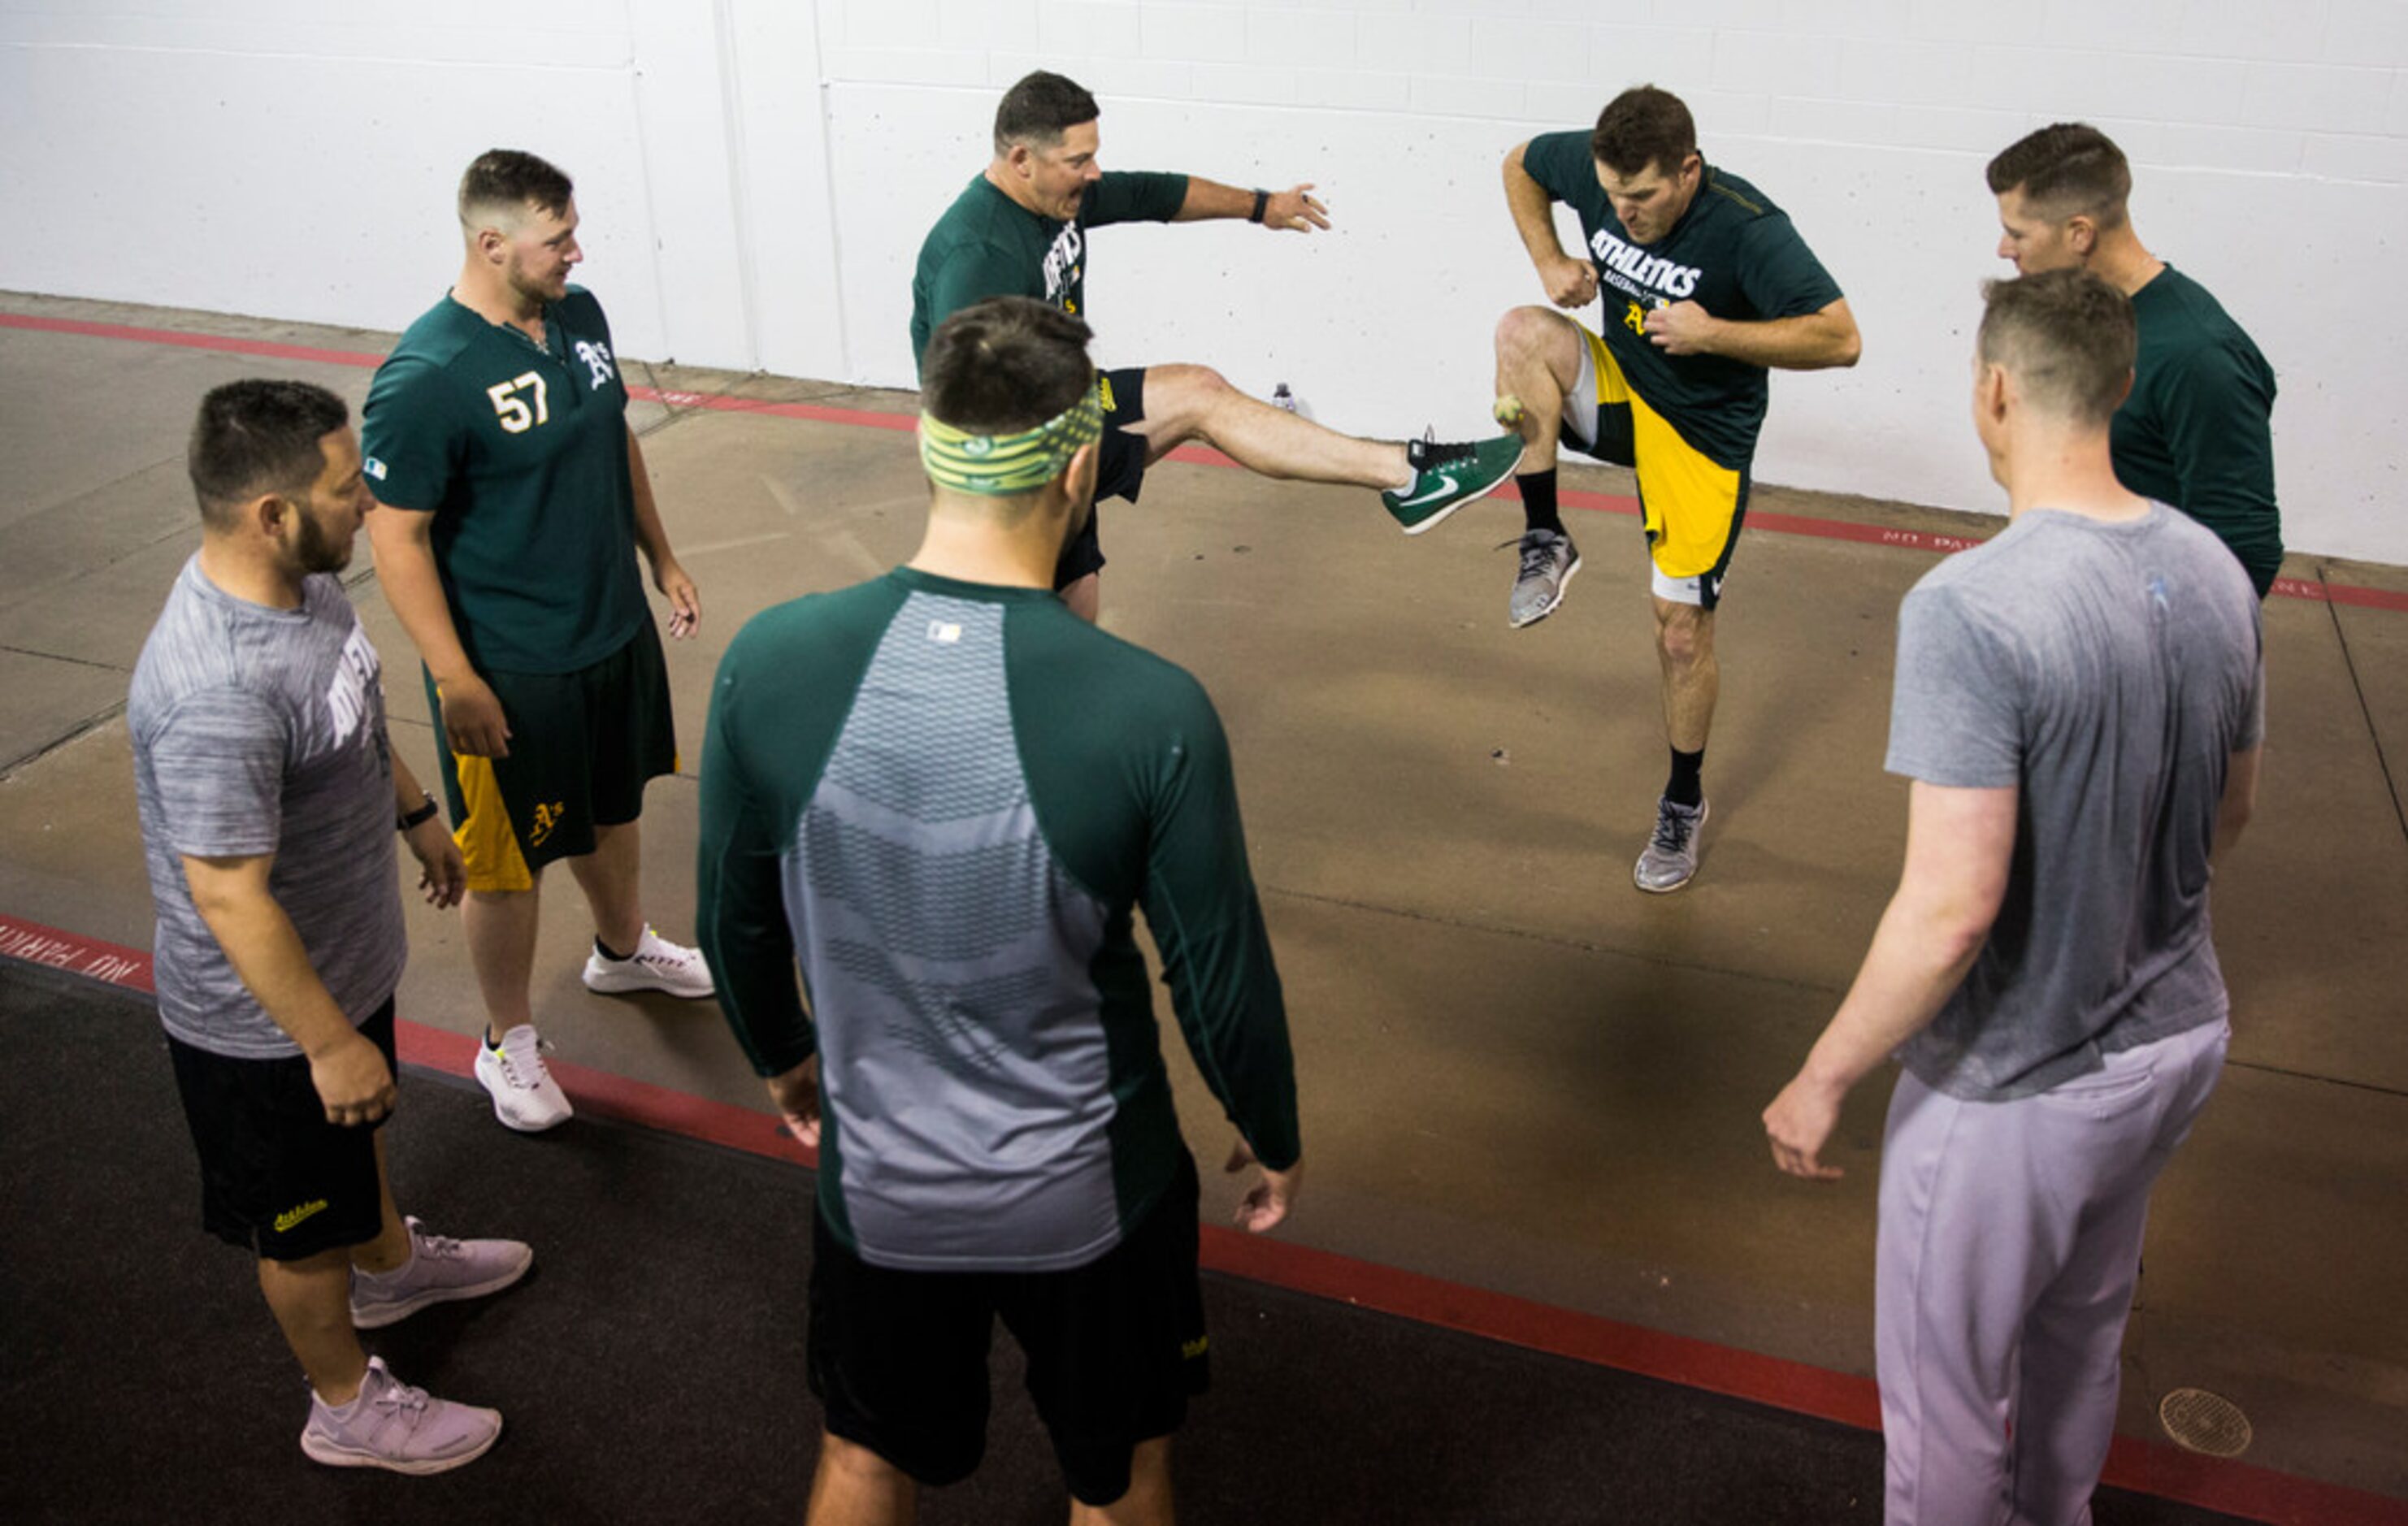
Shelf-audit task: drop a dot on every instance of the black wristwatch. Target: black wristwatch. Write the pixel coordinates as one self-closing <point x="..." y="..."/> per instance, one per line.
<point x="423" y="811"/>
<point x="1262" y="202"/>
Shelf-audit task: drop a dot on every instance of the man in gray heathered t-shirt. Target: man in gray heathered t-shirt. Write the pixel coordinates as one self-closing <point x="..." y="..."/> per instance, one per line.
<point x="2079" y="703"/>
<point x="269" y="798"/>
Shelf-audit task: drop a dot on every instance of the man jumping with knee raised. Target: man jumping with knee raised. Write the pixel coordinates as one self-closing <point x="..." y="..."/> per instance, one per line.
<point x="1708" y="287"/>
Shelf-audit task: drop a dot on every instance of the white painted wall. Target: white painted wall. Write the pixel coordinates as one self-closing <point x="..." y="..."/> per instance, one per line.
<point x="756" y="175"/>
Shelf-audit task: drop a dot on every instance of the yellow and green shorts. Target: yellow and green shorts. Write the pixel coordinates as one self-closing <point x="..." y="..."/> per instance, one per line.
<point x="1692" y="504"/>
<point x="583" y="747"/>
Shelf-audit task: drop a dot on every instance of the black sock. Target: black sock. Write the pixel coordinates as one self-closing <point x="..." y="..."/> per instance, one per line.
<point x="608" y="952"/>
<point x="1684" y="788"/>
<point x="1539" y="501"/>
<point x="491" y="1042"/>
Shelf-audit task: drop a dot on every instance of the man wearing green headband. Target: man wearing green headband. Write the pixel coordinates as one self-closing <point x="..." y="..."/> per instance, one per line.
<point x="1020" y="229"/>
<point x="941" y="795"/>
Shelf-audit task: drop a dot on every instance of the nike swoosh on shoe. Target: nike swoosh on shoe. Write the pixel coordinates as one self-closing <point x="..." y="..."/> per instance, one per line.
<point x="1447" y="485"/>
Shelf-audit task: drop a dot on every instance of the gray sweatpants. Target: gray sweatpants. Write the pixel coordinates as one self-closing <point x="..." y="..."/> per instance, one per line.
<point x="2009" y="1244"/>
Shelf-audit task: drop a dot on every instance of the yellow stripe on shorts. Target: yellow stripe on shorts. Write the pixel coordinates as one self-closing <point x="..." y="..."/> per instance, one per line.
<point x="484" y="834"/>
<point x="1688" y="500"/>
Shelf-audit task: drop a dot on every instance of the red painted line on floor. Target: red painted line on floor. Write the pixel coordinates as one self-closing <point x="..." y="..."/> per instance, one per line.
<point x="2145" y="1466"/>
<point x="1780" y="524"/>
<point x="113" y="964"/>
<point x="187" y="339"/>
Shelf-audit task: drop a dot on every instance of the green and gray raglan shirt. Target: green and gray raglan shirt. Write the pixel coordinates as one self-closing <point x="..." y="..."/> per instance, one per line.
<point x="520" y="452"/>
<point x="2198" y="430"/>
<point x="1733" y="253"/>
<point x="987" y="245"/>
<point x="942" y="801"/>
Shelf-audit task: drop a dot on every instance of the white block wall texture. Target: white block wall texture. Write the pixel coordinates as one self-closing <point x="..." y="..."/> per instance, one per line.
<point x="756" y="175"/>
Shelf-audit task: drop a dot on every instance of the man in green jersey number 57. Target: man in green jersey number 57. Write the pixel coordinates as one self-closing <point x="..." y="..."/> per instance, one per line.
<point x="515" y="500"/>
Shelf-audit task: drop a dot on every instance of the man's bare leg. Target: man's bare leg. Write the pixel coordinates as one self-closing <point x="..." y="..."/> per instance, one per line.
<point x="390" y="1247"/>
<point x="612" y="878"/>
<point x="1148" y="1499"/>
<point x="1186" y="404"/>
<point x="1684" y="648"/>
<point x="1084" y="597"/>
<point x="1538" y="365"/>
<point x="1538" y="356"/>
<point x="311" y="1300"/>
<point x="501" y="928"/>
<point x="856" y="1487"/>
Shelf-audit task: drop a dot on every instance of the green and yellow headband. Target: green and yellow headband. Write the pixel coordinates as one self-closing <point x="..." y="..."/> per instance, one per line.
<point x="999" y="465"/>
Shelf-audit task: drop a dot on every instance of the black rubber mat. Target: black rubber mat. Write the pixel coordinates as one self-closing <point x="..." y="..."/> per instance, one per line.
<point x="649" y="1369"/>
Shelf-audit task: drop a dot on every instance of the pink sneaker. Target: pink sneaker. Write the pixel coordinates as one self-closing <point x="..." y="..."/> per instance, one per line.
<point x="438" y="1271"/>
<point x="392" y="1425"/>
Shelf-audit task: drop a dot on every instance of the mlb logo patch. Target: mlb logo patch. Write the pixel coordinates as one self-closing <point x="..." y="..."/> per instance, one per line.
<point x="945" y="633"/>
<point x="373" y="467"/>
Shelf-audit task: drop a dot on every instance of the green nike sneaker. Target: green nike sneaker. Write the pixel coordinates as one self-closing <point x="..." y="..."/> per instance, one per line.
<point x="1448" y="476"/>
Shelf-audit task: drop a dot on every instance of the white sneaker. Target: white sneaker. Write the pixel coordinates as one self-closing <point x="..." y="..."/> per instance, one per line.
<point x="657" y="965"/>
<point x="393" y="1425"/>
<point x="526" y="1097"/>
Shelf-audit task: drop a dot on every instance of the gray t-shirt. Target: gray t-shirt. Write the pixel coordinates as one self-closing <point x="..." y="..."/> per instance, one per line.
<point x="2110" y="670"/>
<point x="261" y="730"/>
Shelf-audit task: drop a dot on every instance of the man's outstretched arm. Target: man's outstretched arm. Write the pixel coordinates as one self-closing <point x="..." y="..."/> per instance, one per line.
<point x="1293" y="211"/>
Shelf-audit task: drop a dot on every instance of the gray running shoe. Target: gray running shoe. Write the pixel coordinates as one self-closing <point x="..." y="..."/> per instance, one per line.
<point x="1448" y="475"/>
<point x="440" y="1271"/>
<point x="1672" y="856"/>
<point x="1549" y="559"/>
<point x="393" y="1425"/>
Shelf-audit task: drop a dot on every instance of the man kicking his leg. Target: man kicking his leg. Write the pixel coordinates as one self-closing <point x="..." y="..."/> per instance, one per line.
<point x="1020" y="229"/>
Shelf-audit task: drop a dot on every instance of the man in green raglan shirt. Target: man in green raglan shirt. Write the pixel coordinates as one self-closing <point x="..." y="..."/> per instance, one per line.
<point x="942" y="795"/>
<point x="1707" y="286"/>
<point x="1020" y="229"/>
<point x="2196" y="432"/>
<point x="515" y="501"/>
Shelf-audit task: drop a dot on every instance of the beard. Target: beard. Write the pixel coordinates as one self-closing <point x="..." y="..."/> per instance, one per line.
<point x="316" y="550"/>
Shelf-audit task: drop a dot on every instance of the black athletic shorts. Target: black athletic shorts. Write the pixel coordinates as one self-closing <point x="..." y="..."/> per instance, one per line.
<point x="1119" y="470"/>
<point x="1116" y="1349"/>
<point x="583" y="747"/>
<point x="277" y="1179"/>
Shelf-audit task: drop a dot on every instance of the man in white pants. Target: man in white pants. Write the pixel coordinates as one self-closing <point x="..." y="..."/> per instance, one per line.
<point x="2079" y="703"/>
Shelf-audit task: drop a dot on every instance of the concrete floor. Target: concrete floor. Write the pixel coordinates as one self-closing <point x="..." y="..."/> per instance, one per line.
<point x="1517" y="1071"/>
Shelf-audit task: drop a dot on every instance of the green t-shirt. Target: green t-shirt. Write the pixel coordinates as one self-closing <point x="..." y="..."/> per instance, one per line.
<point x="1733" y="253"/>
<point x="987" y="245"/>
<point x="943" y="800"/>
<point x="2198" y="430"/>
<point x="520" y="452"/>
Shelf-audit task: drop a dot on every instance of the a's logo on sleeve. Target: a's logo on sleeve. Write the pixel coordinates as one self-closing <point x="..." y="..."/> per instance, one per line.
<point x="597" y="361"/>
<point x="373" y="468"/>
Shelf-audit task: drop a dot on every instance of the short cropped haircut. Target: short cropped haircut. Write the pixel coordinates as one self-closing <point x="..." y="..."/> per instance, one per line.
<point x="1005" y="364"/>
<point x="2067" y="169"/>
<point x="2066" y="337"/>
<point x="256" y="437"/>
<point x="509" y="180"/>
<point x="1038" y="109"/>
<point x="1644" y="126"/>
